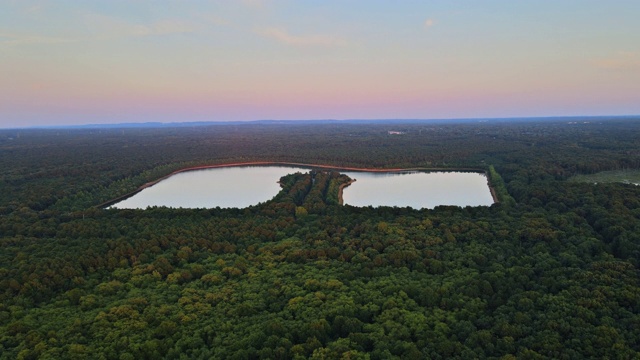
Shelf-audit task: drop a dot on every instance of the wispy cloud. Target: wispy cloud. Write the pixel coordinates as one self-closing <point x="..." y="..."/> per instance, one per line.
<point x="255" y="4"/>
<point x="101" y="28"/>
<point x="22" y="39"/>
<point x="33" y="9"/>
<point x="429" y="23"/>
<point x="624" y="60"/>
<point x="169" y="27"/>
<point x="105" y="26"/>
<point x="285" y="37"/>
<point x="213" y="19"/>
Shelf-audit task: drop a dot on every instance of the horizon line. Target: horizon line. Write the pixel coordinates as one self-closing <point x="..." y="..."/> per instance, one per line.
<point x="152" y="124"/>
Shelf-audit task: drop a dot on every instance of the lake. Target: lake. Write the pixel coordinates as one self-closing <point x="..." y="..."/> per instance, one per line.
<point x="240" y="187"/>
<point x="418" y="189"/>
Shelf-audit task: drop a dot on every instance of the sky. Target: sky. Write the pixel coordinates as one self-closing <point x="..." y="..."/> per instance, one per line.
<point x="86" y="62"/>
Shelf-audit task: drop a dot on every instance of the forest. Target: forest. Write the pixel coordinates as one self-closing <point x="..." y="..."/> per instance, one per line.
<point x="551" y="271"/>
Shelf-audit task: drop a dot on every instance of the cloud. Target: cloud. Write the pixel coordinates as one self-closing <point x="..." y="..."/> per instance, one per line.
<point x="624" y="60"/>
<point x="169" y="27"/>
<point x="33" y="9"/>
<point x="254" y="4"/>
<point x="285" y="37"/>
<point x="102" y="27"/>
<point x="214" y="19"/>
<point x="429" y="23"/>
<point x="16" y="39"/>
<point x="110" y="27"/>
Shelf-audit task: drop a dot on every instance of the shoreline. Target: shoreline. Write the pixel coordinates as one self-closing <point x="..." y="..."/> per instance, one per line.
<point x="340" y="188"/>
<point x="321" y="166"/>
<point x="493" y="193"/>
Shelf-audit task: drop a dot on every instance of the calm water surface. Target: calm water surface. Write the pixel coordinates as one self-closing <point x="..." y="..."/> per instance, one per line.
<point x="237" y="187"/>
<point x="418" y="189"/>
<point x="240" y="187"/>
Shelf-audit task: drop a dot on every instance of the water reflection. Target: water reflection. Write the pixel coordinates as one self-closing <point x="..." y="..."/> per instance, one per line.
<point x="418" y="189"/>
<point x="208" y="188"/>
<point x="241" y="187"/>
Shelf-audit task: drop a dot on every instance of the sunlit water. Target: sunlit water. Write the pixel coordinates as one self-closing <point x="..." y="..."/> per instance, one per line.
<point x="240" y="187"/>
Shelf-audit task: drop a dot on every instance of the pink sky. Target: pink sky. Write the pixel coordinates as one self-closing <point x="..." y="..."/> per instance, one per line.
<point x="110" y="62"/>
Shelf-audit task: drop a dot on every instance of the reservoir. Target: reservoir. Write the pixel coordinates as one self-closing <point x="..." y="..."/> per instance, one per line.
<point x="418" y="189"/>
<point x="243" y="186"/>
<point x="226" y="187"/>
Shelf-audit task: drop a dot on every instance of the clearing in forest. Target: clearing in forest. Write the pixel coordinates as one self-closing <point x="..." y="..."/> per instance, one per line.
<point x="615" y="176"/>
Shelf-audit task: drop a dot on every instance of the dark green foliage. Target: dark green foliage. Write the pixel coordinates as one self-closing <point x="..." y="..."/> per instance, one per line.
<point x="550" y="272"/>
<point x="498" y="186"/>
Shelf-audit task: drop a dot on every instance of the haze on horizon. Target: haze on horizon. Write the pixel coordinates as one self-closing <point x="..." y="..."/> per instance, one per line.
<point x="73" y="62"/>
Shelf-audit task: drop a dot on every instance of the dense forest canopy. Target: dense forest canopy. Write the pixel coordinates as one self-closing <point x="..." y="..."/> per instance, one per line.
<point x="551" y="271"/>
